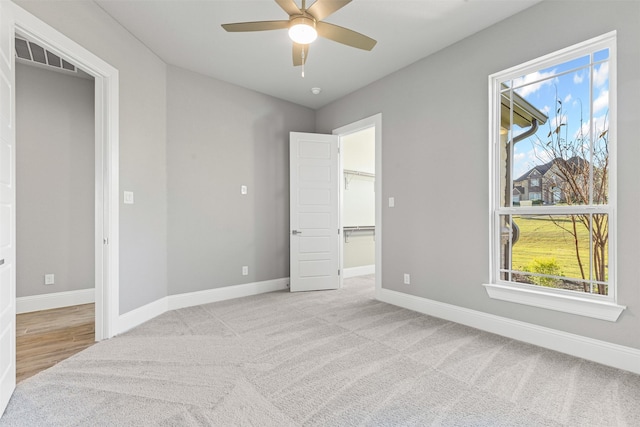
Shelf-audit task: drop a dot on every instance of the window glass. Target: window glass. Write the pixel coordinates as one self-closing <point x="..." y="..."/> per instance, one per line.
<point x="553" y="251"/>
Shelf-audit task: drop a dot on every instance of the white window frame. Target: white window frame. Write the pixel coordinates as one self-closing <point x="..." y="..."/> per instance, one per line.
<point x="603" y="307"/>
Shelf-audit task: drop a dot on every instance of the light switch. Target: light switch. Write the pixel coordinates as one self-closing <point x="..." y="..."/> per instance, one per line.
<point x="128" y="197"/>
<point x="392" y="202"/>
<point x="243" y="190"/>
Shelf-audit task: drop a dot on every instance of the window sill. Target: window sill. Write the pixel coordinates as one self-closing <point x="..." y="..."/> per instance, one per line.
<point x="566" y="303"/>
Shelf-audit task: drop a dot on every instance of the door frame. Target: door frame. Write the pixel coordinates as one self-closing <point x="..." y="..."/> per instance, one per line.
<point x="374" y="121"/>
<point x="106" y="80"/>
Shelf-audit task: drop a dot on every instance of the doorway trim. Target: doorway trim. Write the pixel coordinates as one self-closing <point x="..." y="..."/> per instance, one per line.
<point x="374" y="121"/>
<point x="106" y="163"/>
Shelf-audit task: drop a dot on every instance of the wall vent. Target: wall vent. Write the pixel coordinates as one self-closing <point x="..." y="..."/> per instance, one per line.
<point x="30" y="52"/>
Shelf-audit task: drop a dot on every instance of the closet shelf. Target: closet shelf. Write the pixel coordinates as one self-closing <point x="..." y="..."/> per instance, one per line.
<point x="348" y="230"/>
<point x="352" y="172"/>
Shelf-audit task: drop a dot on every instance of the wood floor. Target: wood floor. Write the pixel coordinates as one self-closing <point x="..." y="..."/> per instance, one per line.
<point x="44" y="338"/>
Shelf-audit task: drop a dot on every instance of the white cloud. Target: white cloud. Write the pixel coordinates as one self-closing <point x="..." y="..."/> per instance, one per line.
<point x="600" y="124"/>
<point x="558" y="120"/>
<point x="526" y="85"/>
<point x="567" y="99"/>
<point x="601" y="75"/>
<point x="546" y="110"/>
<point x="602" y="101"/>
<point x="578" y="78"/>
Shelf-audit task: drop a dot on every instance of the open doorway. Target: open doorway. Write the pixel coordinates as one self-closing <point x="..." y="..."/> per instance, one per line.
<point x="106" y="161"/>
<point x="358" y="203"/>
<point x="55" y="209"/>
<point x="361" y="202"/>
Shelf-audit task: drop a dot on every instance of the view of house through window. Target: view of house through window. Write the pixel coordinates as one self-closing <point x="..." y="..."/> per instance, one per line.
<point x="553" y="208"/>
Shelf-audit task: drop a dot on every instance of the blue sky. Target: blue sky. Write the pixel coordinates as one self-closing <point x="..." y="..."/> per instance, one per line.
<point x="543" y="87"/>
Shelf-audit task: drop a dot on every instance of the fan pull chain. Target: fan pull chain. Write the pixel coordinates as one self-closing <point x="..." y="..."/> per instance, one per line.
<point x="302" y="54"/>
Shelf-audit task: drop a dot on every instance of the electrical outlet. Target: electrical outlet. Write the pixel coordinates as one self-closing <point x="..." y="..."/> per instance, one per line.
<point x="407" y="279"/>
<point x="245" y="270"/>
<point x="128" y="197"/>
<point x="49" y="279"/>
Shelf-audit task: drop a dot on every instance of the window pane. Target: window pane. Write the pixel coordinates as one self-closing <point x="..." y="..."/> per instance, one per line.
<point x="506" y="237"/>
<point x="600" y="239"/>
<point x="600" y="156"/>
<point x="506" y="167"/>
<point x="554" y="251"/>
<point x="601" y="55"/>
<point x="559" y="141"/>
<point x="532" y="81"/>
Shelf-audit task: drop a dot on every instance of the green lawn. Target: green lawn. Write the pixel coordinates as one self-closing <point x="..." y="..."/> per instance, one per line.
<point x="542" y="237"/>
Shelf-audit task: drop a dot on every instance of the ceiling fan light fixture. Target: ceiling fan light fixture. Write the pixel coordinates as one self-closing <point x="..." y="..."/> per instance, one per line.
<point x="302" y="30"/>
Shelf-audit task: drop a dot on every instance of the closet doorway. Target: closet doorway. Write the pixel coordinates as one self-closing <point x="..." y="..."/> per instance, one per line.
<point x="360" y="206"/>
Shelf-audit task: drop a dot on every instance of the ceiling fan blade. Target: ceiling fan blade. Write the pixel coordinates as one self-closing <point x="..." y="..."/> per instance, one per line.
<point x="344" y="36"/>
<point x="297" y="54"/>
<point x="323" y="8"/>
<point x="256" y="26"/>
<point x="289" y="6"/>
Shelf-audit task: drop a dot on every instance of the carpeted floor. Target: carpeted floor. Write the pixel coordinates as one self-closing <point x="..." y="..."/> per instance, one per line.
<point x="335" y="358"/>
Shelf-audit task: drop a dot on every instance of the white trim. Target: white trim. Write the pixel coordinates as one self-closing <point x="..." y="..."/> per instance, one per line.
<point x="603" y="352"/>
<point x="362" y="270"/>
<point x="54" y="300"/>
<point x="228" y="292"/>
<point x="147" y="312"/>
<point x="142" y="314"/>
<point x="107" y="167"/>
<point x="375" y="121"/>
<point x="604" y="310"/>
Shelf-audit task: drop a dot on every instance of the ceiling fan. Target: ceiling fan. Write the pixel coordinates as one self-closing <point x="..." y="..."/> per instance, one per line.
<point x="306" y="24"/>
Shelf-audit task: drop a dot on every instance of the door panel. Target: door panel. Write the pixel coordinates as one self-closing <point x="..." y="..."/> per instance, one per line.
<point x="314" y="212"/>
<point x="7" y="208"/>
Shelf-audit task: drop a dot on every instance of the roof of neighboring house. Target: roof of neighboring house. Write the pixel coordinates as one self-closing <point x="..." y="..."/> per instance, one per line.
<point x="543" y="169"/>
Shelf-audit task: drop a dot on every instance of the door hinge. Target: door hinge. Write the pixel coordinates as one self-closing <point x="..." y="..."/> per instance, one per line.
<point x="338" y="272"/>
<point x="338" y="231"/>
<point x="105" y="241"/>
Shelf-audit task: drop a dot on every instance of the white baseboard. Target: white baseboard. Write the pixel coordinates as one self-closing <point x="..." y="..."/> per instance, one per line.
<point x="55" y="300"/>
<point x="142" y="314"/>
<point x="363" y="270"/>
<point x="228" y="292"/>
<point x="615" y="355"/>
<point x="172" y="302"/>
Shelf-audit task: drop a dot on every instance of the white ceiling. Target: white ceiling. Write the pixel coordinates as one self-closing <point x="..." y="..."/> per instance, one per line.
<point x="187" y="33"/>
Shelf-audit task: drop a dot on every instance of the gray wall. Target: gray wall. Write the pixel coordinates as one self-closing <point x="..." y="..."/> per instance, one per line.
<point x="55" y="181"/>
<point x="435" y="125"/>
<point x="143" y="225"/>
<point x="221" y="137"/>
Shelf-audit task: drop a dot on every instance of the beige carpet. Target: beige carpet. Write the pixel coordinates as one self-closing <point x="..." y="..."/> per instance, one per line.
<point x="335" y="358"/>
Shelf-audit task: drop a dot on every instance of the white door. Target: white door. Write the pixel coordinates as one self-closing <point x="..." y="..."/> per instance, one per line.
<point x="314" y="212"/>
<point x="7" y="208"/>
